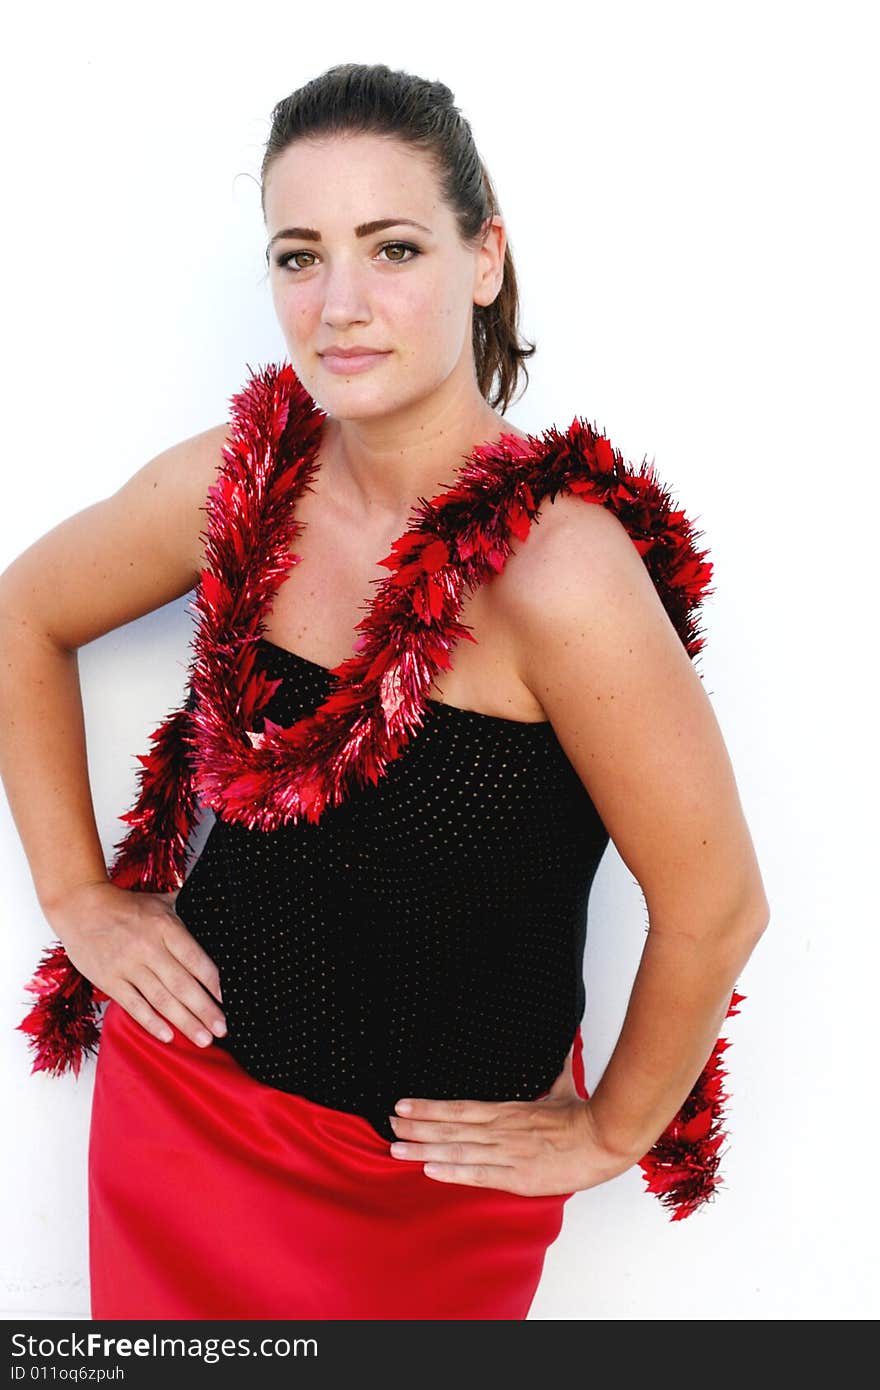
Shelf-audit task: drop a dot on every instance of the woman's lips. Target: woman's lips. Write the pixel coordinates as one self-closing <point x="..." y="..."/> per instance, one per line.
<point x="346" y="366"/>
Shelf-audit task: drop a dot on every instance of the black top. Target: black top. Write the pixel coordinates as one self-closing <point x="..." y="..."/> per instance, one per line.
<point x="426" y="938"/>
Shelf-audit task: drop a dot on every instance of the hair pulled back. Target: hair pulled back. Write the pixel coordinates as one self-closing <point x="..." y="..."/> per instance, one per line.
<point x="357" y="98"/>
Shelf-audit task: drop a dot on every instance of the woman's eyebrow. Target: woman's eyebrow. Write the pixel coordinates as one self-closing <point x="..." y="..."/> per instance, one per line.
<point x="363" y="229"/>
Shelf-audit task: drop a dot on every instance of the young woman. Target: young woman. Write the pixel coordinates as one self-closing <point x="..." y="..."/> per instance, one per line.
<point x="340" y="1070"/>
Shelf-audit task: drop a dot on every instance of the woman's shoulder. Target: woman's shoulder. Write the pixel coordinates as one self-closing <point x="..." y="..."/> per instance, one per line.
<point x="574" y="579"/>
<point x="184" y="474"/>
<point x="572" y="539"/>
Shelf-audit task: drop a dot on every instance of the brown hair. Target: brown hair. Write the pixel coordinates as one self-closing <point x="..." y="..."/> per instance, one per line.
<point x="372" y="99"/>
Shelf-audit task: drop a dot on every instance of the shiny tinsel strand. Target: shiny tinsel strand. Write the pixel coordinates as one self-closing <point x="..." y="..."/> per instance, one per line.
<point x="207" y="753"/>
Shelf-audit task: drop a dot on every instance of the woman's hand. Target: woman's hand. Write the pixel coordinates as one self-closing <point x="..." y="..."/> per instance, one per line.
<point x="537" y="1148"/>
<point x="135" y="948"/>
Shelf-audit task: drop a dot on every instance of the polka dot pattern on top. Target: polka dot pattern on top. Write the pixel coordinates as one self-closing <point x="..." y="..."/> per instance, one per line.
<point x="426" y="938"/>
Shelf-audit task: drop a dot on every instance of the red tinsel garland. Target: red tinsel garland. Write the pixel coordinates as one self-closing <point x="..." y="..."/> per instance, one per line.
<point x="206" y="753"/>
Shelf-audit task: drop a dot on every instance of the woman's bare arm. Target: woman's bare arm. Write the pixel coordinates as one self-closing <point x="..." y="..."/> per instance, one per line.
<point x="602" y="656"/>
<point x="114" y="561"/>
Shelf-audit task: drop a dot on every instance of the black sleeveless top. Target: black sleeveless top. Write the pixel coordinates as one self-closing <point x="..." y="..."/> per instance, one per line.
<point x="426" y="938"/>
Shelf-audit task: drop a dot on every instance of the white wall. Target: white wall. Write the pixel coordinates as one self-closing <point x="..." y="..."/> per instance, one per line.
<point x="687" y="193"/>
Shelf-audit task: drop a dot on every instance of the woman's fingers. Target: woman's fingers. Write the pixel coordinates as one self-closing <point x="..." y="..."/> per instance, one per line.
<point x="175" y="994"/>
<point x="195" y="960"/>
<point x="135" y="948"/>
<point x="135" y="1004"/>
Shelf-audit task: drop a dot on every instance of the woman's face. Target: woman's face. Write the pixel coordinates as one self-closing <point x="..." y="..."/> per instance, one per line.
<point x="406" y="290"/>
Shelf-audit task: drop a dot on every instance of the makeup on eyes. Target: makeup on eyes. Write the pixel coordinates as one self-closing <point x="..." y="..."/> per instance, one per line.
<point x="286" y="257"/>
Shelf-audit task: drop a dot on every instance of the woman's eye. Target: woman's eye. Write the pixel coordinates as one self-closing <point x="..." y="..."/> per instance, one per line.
<point x="289" y="256"/>
<point x="400" y="246"/>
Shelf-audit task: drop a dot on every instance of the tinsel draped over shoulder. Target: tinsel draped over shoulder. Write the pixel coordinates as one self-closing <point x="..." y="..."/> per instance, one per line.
<point x="206" y="754"/>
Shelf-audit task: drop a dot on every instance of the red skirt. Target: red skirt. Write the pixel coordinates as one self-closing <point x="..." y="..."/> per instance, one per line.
<point x="213" y="1195"/>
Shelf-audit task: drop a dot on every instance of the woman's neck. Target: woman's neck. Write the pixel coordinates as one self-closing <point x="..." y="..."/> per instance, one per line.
<point x="382" y="467"/>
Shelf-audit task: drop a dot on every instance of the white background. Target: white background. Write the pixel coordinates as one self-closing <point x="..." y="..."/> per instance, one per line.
<point x="688" y="195"/>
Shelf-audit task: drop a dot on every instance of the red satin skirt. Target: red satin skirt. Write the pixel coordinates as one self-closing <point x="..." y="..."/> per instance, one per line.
<point x="213" y="1195"/>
